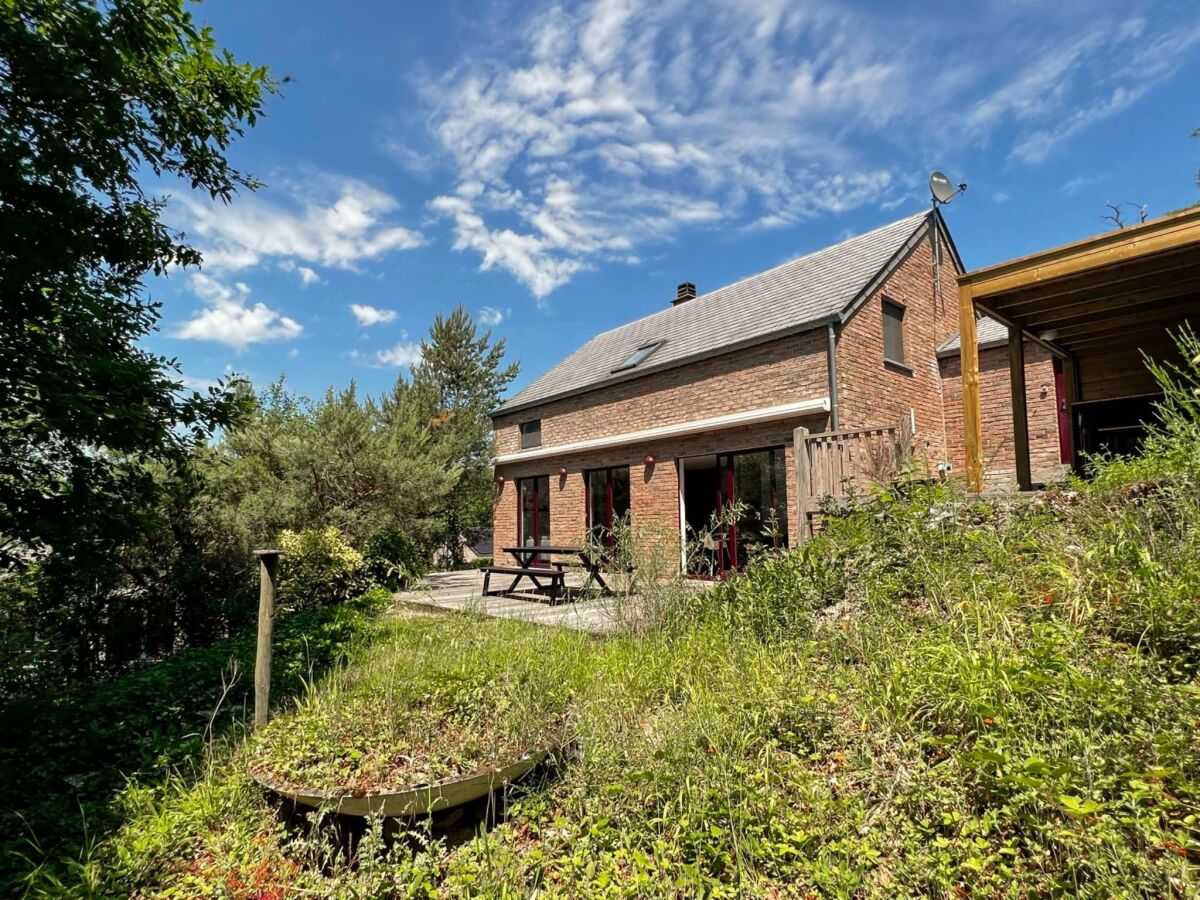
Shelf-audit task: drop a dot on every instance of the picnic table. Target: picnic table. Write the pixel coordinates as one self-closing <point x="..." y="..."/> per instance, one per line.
<point x="552" y="573"/>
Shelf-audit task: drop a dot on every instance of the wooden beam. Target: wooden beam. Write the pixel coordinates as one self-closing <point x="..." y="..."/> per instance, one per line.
<point x="1121" y="337"/>
<point x="1163" y="235"/>
<point x="803" y="482"/>
<point x="1016" y="373"/>
<point x="1091" y="284"/>
<point x="972" y="419"/>
<point x="1162" y="316"/>
<point x="268" y="559"/>
<point x="1053" y="316"/>
<point x="1049" y="346"/>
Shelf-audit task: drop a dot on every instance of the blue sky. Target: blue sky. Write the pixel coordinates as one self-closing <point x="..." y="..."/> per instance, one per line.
<point x="558" y="169"/>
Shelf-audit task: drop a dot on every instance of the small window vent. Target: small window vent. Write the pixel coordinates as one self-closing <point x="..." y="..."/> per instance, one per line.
<point x="531" y="434"/>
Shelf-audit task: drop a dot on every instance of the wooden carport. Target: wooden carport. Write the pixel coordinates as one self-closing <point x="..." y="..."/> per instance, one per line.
<point x="1097" y="304"/>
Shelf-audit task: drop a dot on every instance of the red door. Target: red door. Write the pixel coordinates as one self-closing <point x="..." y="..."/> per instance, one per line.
<point x="1064" y="414"/>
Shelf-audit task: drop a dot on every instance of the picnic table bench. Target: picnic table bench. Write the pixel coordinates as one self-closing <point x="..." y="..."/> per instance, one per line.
<point x="553" y="574"/>
<point x="555" y="579"/>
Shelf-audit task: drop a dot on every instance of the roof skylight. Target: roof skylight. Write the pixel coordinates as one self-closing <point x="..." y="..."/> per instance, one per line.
<point x="638" y="356"/>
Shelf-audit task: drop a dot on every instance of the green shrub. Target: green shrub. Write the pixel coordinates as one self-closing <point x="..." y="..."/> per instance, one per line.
<point x="393" y="559"/>
<point x="319" y="567"/>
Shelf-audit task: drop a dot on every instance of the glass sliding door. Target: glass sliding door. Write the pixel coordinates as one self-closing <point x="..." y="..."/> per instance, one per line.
<point x="533" y="519"/>
<point x="607" y="501"/>
<point x="735" y="504"/>
<point x="759" y="479"/>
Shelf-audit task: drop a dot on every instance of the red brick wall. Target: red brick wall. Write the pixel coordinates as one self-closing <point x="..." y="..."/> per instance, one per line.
<point x="995" y="404"/>
<point x="786" y="370"/>
<point x="873" y="392"/>
<point x="654" y="490"/>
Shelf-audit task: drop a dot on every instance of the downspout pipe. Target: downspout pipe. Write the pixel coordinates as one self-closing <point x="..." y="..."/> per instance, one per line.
<point x="831" y="358"/>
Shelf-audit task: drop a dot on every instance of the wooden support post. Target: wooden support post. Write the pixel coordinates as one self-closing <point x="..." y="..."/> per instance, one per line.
<point x="972" y="419"/>
<point x="267" y="560"/>
<point x="800" y="450"/>
<point x="1020" y="412"/>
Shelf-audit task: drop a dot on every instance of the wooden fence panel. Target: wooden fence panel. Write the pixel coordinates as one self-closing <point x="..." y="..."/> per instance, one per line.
<point x="834" y="464"/>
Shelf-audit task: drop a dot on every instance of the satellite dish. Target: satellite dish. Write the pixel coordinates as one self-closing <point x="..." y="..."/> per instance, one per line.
<point x="941" y="188"/>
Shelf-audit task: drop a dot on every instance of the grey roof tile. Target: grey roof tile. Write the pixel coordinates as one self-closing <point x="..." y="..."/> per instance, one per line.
<point x="987" y="331"/>
<point x="805" y="290"/>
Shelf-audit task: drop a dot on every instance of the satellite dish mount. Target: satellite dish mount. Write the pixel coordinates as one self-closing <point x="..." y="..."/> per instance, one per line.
<point x="942" y="190"/>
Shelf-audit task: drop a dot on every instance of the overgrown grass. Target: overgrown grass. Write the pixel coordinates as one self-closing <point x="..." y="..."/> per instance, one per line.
<point x="71" y="759"/>
<point x="934" y="697"/>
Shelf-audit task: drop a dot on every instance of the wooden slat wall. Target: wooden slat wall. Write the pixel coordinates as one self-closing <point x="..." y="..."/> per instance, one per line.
<point x="831" y="464"/>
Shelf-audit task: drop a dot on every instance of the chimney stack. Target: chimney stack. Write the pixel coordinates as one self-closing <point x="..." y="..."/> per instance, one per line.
<point x="685" y="292"/>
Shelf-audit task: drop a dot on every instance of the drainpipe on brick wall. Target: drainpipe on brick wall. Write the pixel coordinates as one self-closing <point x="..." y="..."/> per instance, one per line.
<point x="831" y="356"/>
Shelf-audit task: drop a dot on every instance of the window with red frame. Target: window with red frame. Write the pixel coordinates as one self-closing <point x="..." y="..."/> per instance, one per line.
<point x="607" y="500"/>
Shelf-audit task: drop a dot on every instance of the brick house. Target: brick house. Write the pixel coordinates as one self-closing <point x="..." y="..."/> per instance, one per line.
<point x="667" y="418"/>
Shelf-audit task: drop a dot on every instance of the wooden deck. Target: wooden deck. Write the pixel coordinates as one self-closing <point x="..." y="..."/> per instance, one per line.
<point x="463" y="591"/>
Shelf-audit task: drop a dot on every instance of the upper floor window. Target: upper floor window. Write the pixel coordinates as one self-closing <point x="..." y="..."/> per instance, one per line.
<point x="893" y="332"/>
<point x="531" y="434"/>
<point x="638" y="356"/>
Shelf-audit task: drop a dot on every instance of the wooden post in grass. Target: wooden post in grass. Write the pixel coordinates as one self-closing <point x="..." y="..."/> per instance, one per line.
<point x="267" y="560"/>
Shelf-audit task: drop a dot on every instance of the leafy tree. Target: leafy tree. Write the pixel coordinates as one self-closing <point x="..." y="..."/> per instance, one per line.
<point x="95" y="99"/>
<point x="459" y="381"/>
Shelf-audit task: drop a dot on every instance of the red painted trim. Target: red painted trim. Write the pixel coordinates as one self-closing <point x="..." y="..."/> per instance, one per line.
<point x="1064" y="415"/>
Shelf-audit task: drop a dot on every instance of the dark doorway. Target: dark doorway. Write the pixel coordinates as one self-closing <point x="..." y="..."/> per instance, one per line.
<point x="1116" y="426"/>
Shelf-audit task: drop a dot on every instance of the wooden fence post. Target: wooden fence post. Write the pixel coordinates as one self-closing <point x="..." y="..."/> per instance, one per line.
<point x="267" y="560"/>
<point x="800" y="450"/>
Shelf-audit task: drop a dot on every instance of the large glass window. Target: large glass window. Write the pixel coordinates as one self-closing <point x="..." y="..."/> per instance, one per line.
<point x="533" y="524"/>
<point x="759" y="479"/>
<point x="607" y="500"/>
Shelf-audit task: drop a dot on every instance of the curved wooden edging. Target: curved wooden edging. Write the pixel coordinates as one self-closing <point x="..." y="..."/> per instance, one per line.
<point x="410" y="800"/>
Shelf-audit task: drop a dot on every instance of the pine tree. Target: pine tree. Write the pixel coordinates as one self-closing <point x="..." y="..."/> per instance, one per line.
<point x="459" y="381"/>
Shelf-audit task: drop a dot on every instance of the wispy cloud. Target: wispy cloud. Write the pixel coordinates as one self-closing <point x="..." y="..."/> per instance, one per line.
<point x="491" y="316"/>
<point x="372" y="315"/>
<point x="617" y="124"/>
<point x="1079" y="182"/>
<point x="617" y="127"/>
<point x="1070" y="86"/>
<point x="229" y="320"/>
<point x="317" y="220"/>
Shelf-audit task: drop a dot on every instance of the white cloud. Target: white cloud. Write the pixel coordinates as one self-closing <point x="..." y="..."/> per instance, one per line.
<point x="405" y="353"/>
<point x="371" y="315"/>
<point x="491" y="316"/>
<point x="319" y="219"/>
<point x="1001" y="196"/>
<point x="620" y="123"/>
<point x="230" y="321"/>
<point x="200" y="385"/>
<point x="1079" y="182"/>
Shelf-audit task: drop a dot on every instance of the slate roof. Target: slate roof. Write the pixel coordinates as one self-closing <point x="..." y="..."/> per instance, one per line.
<point x="988" y="332"/>
<point x="791" y="297"/>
